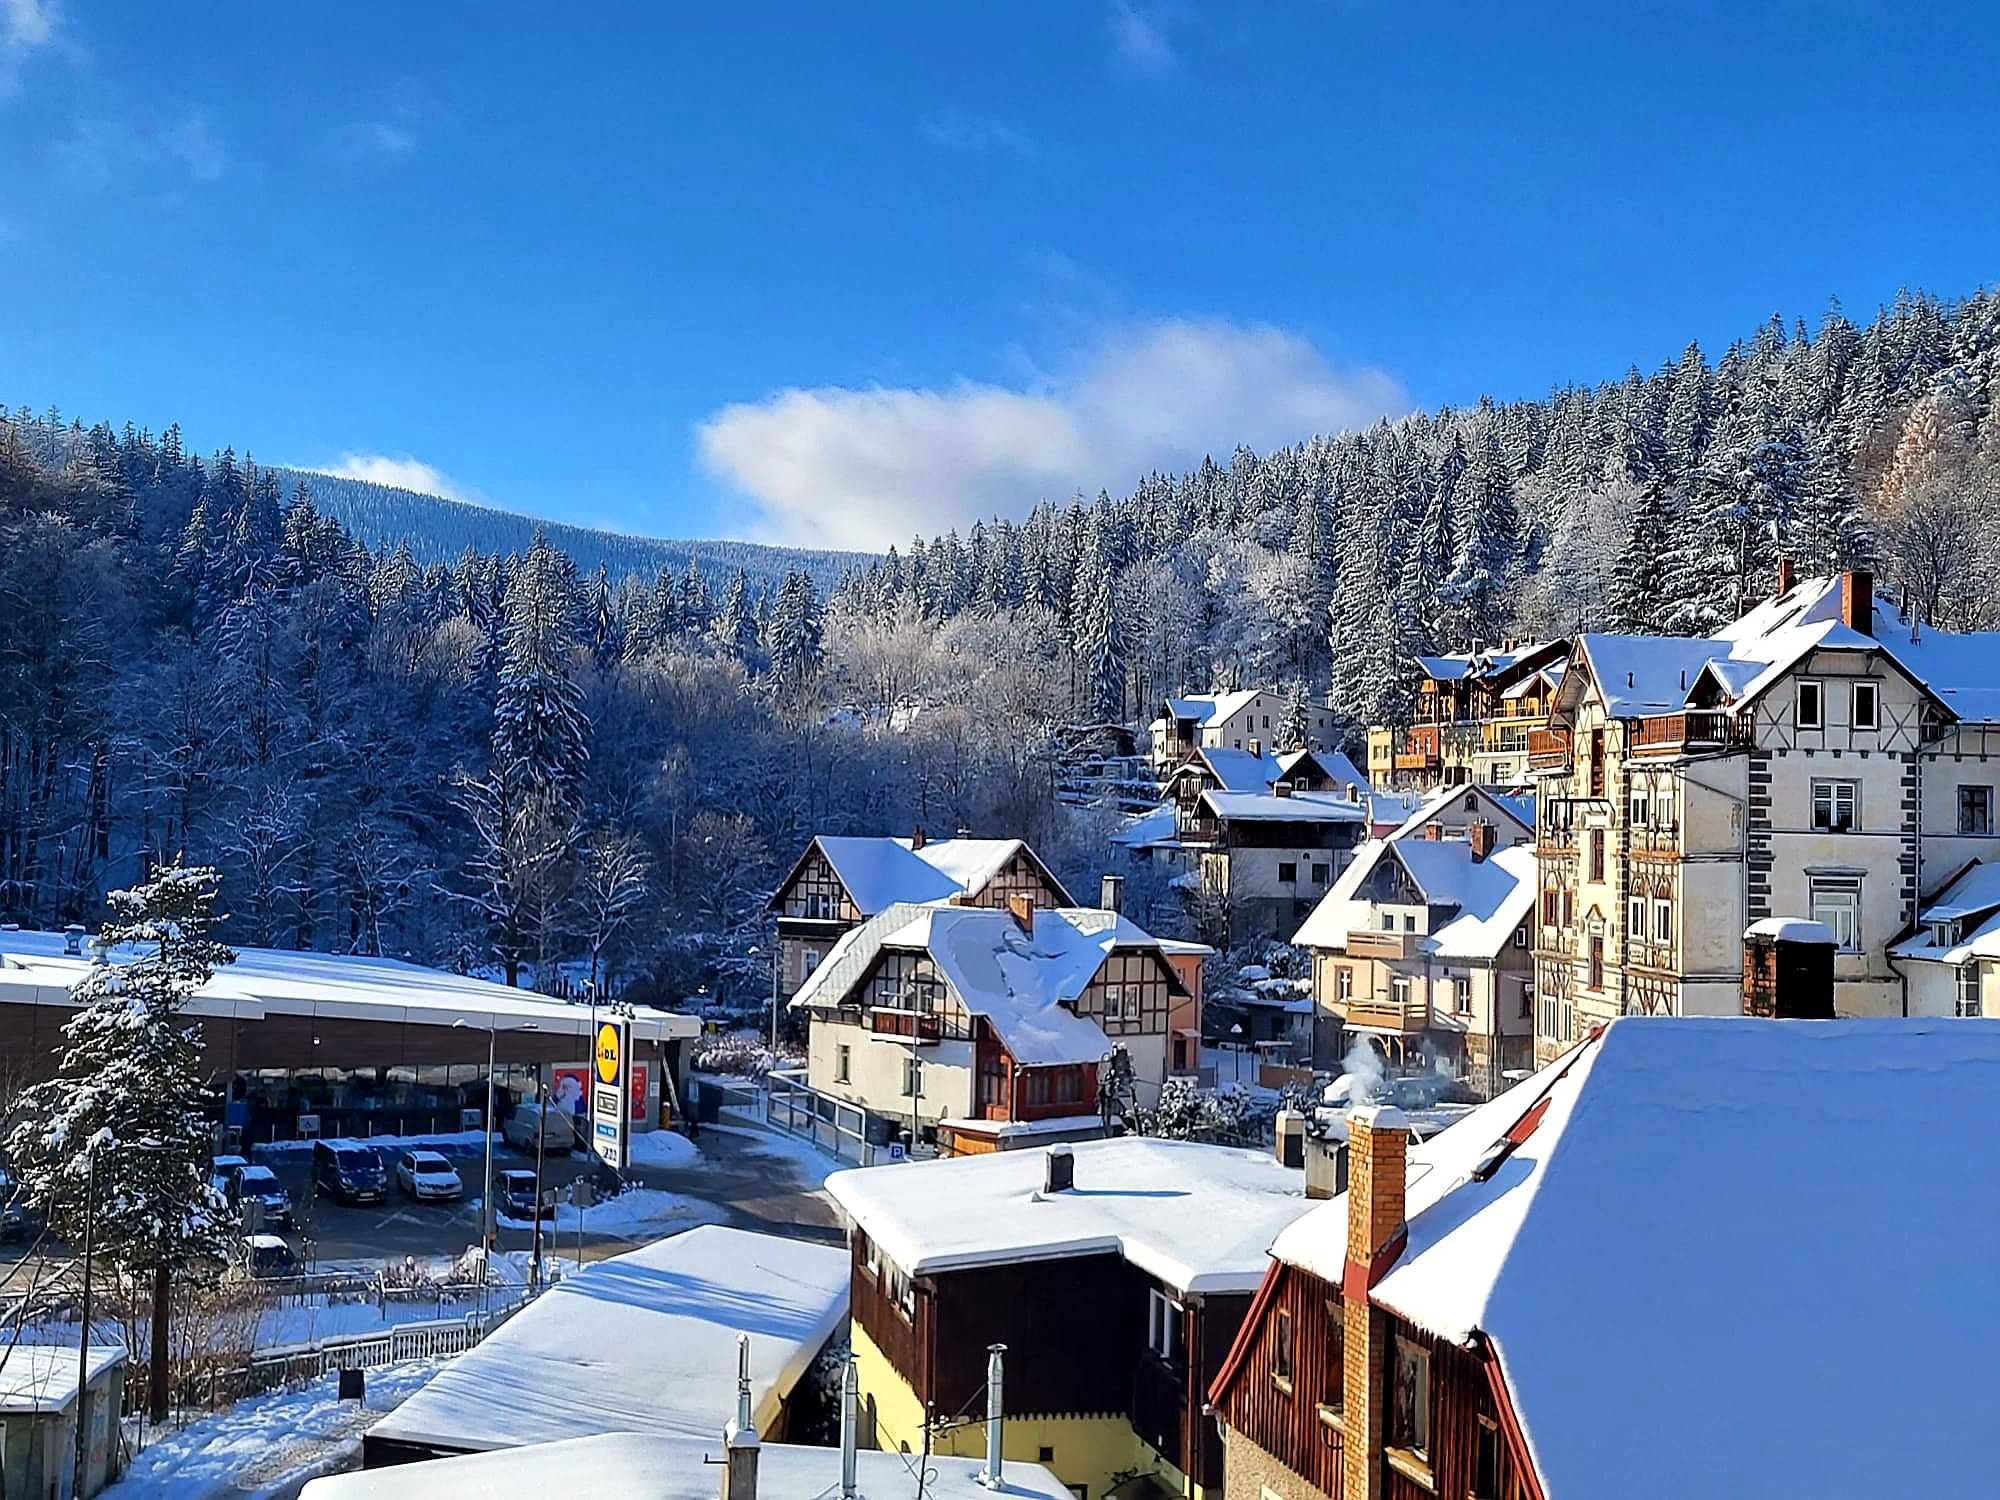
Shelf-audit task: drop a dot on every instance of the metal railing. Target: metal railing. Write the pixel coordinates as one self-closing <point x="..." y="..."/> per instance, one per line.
<point x="794" y="1108"/>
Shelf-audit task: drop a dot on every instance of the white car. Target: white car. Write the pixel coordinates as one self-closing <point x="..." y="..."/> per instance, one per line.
<point x="428" y="1177"/>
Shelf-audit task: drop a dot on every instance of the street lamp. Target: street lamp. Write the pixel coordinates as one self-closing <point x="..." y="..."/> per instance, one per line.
<point x="486" y="1213"/>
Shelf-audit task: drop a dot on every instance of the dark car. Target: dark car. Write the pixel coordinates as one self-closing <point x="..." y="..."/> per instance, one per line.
<point x="260" y="1185"/>
<point x="349" y="1172"/>
<point x="514" y="1192"/>
<point x="19" y="1218"/>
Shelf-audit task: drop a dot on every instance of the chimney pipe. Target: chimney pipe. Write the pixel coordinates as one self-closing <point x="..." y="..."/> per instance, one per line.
<point x="1111" y="892"/>
<point x="1021" y="906"/>
<point x="850" y="1435"/>
<point x="1377" y="1147"/>
<point x="1787" y="575"/>
<point x="1857" y="600"/>
<point x="73" y="940"/>
<point x="1479" y="834"/>
<point x="995" y="1419"/>
<point x="1257" y="749"/>
<point x="1058" y="1170"/>
<point x="1288" y="1138"/>
<point x="739" y="1438"/>
<point x="917" y="839"/>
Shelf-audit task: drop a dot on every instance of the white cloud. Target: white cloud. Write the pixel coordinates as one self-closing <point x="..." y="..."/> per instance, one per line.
<point x="403" y="473"/>
<point x="98" y="150"/>
<point x="840" y="467"/>
<point x="25" y="26"/>
<point x="956" y="130"/>
<point x="1140" y="40"/>
<point x="406" y="113"/>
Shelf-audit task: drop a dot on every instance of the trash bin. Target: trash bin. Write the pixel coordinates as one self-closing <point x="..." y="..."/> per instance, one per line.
<point x="353" y="1385"/>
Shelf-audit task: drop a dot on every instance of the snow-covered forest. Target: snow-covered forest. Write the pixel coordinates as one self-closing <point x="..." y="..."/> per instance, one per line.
<point x="511" y="761"/>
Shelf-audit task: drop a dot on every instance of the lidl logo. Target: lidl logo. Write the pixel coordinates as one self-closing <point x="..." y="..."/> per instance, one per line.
<point x="607" y="1053"/>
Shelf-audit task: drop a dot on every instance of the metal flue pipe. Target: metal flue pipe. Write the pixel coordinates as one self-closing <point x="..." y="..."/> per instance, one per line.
<point x="850" y="1424"/>
<point x="995" y="1418"/>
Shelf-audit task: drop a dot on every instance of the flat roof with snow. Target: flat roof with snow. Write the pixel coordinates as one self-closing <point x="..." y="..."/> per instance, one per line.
<point x="643" y="1342"/>
<point x="1198" y="1218"/>
<point x="42" y="1377"/>
<point x="35" y="970"/>
<point x="629" y="1466"/>
<point x="1776" y="1222"/>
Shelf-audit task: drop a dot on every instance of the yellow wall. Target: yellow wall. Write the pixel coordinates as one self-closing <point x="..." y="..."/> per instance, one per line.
<point x="1088" y="1451"/>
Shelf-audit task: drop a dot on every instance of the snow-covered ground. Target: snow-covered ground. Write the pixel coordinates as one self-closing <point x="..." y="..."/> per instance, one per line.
<point x="267" y="1446"/>
<point x="316" y="1320"/>
<point x="642" y="1211"/>
<point x="664" y="1148"/>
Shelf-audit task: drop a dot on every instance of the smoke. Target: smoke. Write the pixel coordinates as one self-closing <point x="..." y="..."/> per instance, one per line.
<point x="1362" y="1080"/>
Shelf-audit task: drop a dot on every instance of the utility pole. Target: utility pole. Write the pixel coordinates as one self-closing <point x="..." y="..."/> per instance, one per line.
<point x="541" y="1134"/>
<point x="83" y="1336"/>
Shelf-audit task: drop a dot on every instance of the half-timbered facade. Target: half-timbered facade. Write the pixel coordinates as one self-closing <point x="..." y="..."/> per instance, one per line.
<point x="840" y="882"/>
<point x="1794" y="764"/>
<point x="1473" y="714"/>
<point x="1116" y="1297"/>
<point x="1234" y="721"/>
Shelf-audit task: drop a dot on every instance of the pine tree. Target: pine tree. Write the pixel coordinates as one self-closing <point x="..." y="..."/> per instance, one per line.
<point x="540" y="732"/>
<point x="120" y="1135"/>
<point x="795" y="631"/>
<point x="1295" y="728"/>
<point x="736" y="624"/>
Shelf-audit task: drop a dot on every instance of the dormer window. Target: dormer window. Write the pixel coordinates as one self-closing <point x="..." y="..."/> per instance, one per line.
<point x="1944" y="934"/>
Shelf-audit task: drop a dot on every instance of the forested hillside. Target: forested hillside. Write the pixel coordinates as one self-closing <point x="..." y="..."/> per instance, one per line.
<point x="1657" y="502"/>
<point x="437" y="530"/>
<point x="509" y="758"/>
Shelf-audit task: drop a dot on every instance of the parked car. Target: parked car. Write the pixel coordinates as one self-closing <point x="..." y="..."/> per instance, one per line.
<point x="428" y="1177"/>
<point x="222" y="1173"/>
<point x="268" y="1255"/>
<point x="260" y="1185"/>
<point x="514" y="1193"/>
<point x="557" y="1133"/>
<point x="349" y="1172"/>
<point x="18" y="1218"/>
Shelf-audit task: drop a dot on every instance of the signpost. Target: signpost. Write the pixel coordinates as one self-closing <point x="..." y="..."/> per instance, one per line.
<point x="610" y="1118"/>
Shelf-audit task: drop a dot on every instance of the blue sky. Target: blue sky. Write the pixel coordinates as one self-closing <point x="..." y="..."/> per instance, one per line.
<point x="834" y="273"/>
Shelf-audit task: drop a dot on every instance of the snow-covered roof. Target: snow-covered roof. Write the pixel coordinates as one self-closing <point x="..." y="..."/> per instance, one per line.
<point x="1671" y="1152"/>
<point x="1143" y="830"/>
<point x="1020" y="982"/>
<point x="1193" y="1216"/>
<point x="1974" y="894"/>
<point x="631" y="1466"/>
<point x="642" y="1342"/>
<point x="1519" y="810"/>
<point x="1294" y="807"/>
<point x="1493" y="896"/>
<point x="1239" y="770"/>
<point x="42" y="1377"/>
<point x="278" y="981"/>
<point x="879" y="872"/>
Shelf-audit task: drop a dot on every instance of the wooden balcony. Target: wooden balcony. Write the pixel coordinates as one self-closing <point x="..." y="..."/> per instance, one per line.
<point x="1385" y="1014"/>
<point x="1678" y="734"/>
<point x="923" y="1026"/>
<point x="1548" y="749"/>
<point x="1369" y="943"/>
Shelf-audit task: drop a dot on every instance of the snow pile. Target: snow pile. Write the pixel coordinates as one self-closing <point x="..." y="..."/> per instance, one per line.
<point x="635" y="1212"/>
<point x="667" y="1149"/>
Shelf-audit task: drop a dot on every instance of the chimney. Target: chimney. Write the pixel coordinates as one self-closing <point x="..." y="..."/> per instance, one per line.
<point x="73" y="940"/>
<point x="1353" y="792"/>
<point x="1787" y="575"/>
<point x="1021" y="905"/>
<point x="1257" y="748"/>
<point x="1058" y="1170"/>
<point x="739" y="1438"/>
<point x="996" y="1383"/>
<point x="1788" y="969"/>
<point x="1377" y="1143"/>
<point x="1857" y="600"/>
<point x="1281" y="789"/>
<point x="917" y="839"/>
<point x="1326" y="1167"/>
<point x="1111" y="892"/>
<point x="1479" y="834"/>
<point x="1289" y="1138"/>
<point x="1433" y="832"/>
<point x="850" y="1428"/>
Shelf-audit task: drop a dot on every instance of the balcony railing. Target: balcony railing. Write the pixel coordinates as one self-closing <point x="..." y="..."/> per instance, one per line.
<point x="1369" y="943"/>
<point x="1696" y="729"/>
<point x="925" y="1026"/>
<point x="1548" y="749"/>
<point x="1373" y="1010"/>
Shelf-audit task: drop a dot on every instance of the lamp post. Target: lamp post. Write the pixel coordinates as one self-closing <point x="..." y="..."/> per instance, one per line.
<point x="83" y="1336"/>
<point x="486" y="1121"/>
<point x="541" y="1134"/>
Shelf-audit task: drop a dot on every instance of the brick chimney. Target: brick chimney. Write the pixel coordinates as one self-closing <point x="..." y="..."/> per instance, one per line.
<point x="1479" y="834"/>
<point x="1021" y="906"/>
<point x="1433" y="831"/>
<point x="917" y="839"/>
<point x="1377" y="1143"/>
<point x="1788" y="969"/>
<point x="1257" y="748"/>
<point x="1111" y="892"/>
<point x="1857" y="600"/>
<point x="1788" y="574"/>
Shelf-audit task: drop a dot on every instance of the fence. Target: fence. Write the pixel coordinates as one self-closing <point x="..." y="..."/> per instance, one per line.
<point x="797" y="1110"/>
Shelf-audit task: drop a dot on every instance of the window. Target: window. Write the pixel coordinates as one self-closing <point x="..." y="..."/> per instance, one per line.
<point x="1968" y="989"/>
<point x="1635" y="918"/>
<point x="898" y="1289"/>
<point x="1550" y="900"/>
<point x="1636" y="810"/>
<point x="1288" y="872"/>
<point x="1114" y="1002"/>
<point x="1569" y="908"/>
<point x="1521" y="936"/>
<point x="1597" y="960"/>
<point x="1410" y="1398"/>
<point x="1597" y="856"/>
<point x="843" y="1059"/>
<point x="1663" y="919"/>
<point x="1460" y="991"/>
<point x="913" y="1077"/>
<point x="1319" y="874"/>
<point x="1343" y="985"/>
<point x="1975" y="809"/>
<point x="1663" y="806"/>
<point x="819" y="907"/>
<point x="1867" y="705"/>
<point x="808" y="961"/>
<point x="1163" y="1326"/>
<point x="1281" y="1350"/>
<point x="871" y="1257"/>
<point x="1486" y="1461"/>
<point x="1810" y="705"/>
<point x="1052" y="1085"/>
<point x="1399" y="990"/>
<point x="1527" y="999"/>
<point x="1388" y="921"/>
<point x="1333" y="1367"/>
<point x="1836" y="806"/>
<point x="1836" y="901"/>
